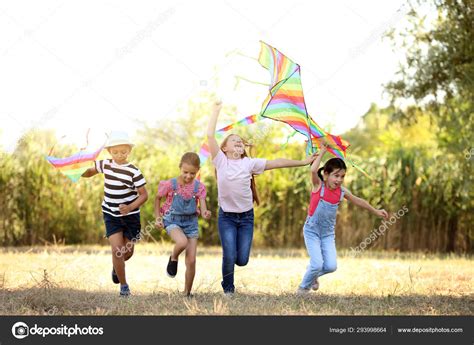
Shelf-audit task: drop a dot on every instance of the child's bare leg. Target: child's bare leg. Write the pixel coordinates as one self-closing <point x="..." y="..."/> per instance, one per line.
<point x="190" y="264"/>
<point x="129" y="246"/>
<point x="180" y="241"/>
<point x="118" y="251"/>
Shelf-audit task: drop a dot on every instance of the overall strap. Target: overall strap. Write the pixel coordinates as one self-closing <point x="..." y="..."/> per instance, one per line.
<point x="342" y="194"/>
<point x="196" y="187"/>
<point x="174" y="184"/>
<point x="321" y="194"/>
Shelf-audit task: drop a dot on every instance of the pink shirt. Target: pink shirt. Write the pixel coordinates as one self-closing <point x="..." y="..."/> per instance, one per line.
<point x="165" y="188"/>
<point x="233" y="181"/>
<point x="331" y="196"/>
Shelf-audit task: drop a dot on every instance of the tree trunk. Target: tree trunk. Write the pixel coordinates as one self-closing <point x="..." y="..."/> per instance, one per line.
<point x="452" y="232"/>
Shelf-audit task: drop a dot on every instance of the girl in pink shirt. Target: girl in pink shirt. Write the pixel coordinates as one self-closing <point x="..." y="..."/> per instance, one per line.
<point x="318" y="230"/>
<point x="179" y="215"/>
<point x="236" y="195"/>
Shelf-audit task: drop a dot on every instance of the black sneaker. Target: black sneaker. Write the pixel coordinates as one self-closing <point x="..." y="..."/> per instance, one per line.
<point x="172" y="268"/>
<point x="115" y="277"/>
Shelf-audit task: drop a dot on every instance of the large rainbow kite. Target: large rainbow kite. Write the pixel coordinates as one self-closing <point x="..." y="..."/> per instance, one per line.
<point x="285" y="103"/>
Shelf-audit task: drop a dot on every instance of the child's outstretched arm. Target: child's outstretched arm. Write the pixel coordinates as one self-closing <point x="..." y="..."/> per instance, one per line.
<point x="206" y="214"/>
<point x="315" y="167"/>
<point x="288" y="163"/>
<point x="142" y="197"/>
<point x="90" y="172"/>
<point x="364" y="204"/>
<point x="211" y="129"/>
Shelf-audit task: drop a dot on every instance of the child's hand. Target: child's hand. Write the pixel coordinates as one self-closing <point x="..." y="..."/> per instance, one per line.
<point x="159" y="223"/>
<point x="382" y="214"/>
<point x="207" y="214"/>
<point x="124" y="209"/>
<point x="310" y="159"/>
<point x="324" y="148"/>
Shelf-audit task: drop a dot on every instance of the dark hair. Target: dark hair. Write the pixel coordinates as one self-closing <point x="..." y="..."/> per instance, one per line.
<point x="190" y="158"/>
<point x="332" y="165"/>
<point x="253" y="186"/>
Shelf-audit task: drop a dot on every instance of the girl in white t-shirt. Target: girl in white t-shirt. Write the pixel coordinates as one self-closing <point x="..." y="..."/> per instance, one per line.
<point x="236" y="195"/>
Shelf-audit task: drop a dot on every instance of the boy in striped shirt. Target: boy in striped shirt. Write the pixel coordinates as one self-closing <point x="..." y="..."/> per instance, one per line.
<point x="124" y="193"/>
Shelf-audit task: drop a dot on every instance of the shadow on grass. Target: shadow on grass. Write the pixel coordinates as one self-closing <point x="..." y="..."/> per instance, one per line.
<point x="67" y="301"/>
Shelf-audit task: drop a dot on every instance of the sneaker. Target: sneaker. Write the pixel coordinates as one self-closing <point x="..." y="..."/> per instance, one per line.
<point x="301" y="291"/>
<point x="229" y="294"/>
<point x="315" y="284"/>
<point x="189" y="295"/>
<point x="124" y="291"/>
<point x="172" y="268"/>
<point x="115" y="277"/>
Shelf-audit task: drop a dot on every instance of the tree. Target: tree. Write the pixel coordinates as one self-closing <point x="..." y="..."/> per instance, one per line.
<point x="438" y="74"/>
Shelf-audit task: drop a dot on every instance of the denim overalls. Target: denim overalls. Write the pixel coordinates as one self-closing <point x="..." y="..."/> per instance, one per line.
<point x="319" y="237"/>
<point x="183" y="212"/>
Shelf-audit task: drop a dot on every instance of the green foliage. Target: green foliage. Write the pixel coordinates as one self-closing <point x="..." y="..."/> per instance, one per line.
<point x="438" y="74"/>
<point x="39" y="204"/>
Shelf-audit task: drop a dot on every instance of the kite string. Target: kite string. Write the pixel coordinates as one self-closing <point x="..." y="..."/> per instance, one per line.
<point x="64" y="136"/>
<point x="52" y="148"/>
<point x="87" y="140"/>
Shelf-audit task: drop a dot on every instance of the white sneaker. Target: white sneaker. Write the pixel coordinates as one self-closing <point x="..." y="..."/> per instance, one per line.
<point x="229" y="294"/>
<point x="315" y="284"/>
<point x="302" y="291"/>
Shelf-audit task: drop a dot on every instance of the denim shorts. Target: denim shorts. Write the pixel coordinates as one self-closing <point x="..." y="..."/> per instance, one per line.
<point x="129" y="225"/>
<point x="189" y="225"/>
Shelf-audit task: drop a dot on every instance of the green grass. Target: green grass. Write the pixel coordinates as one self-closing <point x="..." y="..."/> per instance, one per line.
<point x="75" y="280"/>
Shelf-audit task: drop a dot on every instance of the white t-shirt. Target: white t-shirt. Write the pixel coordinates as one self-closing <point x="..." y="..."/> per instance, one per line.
<point x="233" y="181"/>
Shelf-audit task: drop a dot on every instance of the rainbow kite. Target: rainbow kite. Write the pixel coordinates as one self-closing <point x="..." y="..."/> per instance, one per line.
<point x="285" y="103"/>
<point x="74" y="166"/>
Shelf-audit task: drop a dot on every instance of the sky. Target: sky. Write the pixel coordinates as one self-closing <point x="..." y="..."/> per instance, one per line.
<point x="114" y="65"/>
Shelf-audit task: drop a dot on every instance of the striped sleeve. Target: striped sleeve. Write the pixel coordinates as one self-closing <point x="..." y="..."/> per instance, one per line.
<point x="99" y="166"/>
<point x="138" y="179"/>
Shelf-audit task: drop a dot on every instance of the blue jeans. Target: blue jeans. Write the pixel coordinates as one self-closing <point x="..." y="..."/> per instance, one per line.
<point x="236" y="234"/>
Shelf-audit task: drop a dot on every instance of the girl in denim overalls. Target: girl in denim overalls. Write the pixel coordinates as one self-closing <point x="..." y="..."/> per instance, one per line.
<point x="319" y="228"/>
<point x="179" y="215"/>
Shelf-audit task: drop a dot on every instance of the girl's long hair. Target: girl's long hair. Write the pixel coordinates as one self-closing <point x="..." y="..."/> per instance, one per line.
<point x="332" y="165"/>
<point x="253" y="186"/>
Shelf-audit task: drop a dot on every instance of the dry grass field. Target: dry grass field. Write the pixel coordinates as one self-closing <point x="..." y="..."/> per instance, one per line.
<point x="75" y="280"/>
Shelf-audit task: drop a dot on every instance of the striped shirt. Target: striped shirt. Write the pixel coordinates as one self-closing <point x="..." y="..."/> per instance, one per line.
<point x="120" y="185"/>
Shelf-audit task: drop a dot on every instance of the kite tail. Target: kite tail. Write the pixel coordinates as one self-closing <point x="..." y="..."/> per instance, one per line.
<point x="283" y="146"/>
<point x="359" y="168"/>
